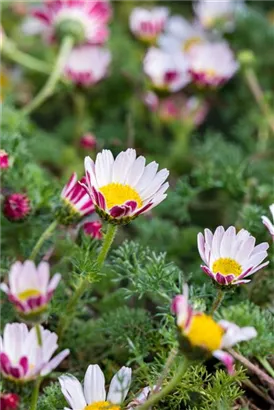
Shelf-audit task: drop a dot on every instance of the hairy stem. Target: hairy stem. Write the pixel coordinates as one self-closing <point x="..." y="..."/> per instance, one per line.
<point x="38" y="334"/>
<point x="35" y="394"/>
<point x="173" y="353"/>
<point x="217" y="302"/>
<point x="266" y="365"/>
<point x="53" y="79"/>
<point x="45" y="235"/>
<point x="84" y="283"/>
<point x="155" y="398"/>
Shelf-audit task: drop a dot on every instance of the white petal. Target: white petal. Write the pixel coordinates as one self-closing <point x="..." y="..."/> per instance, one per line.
<point x="216" y="243"/>
<point x="136" y="171"/>
<point x="90" y="169"/>
<point x="260" y="248"/>
<point x="103" y="167"/>
<point x="94" y="384"/>
<point x="73" y="392"/>
<point x="53" y="363"/>
<point x="13" y="340"/>
<point x="4" y="287"/>
<point x="234" y="334"/>
<point x="201" y="246"/>
<point x="147" y="177"/>
<point x="43" y="276"/>
<point x="227" y="242"/>
<point x="122" y="165"/>
<point x="272" y="210"/>
<point x="119" y="386"/>
<point x="245" y="250"/>
<point x="54" y="282"/>
<point x="155" y="185"/>
<point x="14" y="273"/>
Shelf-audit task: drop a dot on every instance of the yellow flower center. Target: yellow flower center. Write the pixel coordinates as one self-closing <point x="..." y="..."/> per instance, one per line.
<point x="205" y="332"/>
<point x="118" y="194"/>
<point x="210" y="73"/>
<point x="102" y="405"/>
<point x="193" y="41"/>
<point x="28" y="293"/>
<point x="227" y="266"/>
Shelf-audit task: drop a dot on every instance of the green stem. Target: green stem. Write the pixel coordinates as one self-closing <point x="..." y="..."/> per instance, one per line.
<point x="10" y="50"/>
<point x="84" y="283"/>
<point x="53" y="79"/>
<point x="259" y="96"/>
<point x="155" y="398"/>
<point x="217" y="302"/>
<point x="38" y="334"/>
<point x="45" y="235"/>
<point x="266" y="365"/>
<point x="170" y="360"/>
<point x="35" y="394"/>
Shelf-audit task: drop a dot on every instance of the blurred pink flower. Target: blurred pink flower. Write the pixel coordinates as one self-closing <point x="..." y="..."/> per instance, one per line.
<point x="4" y="159"/>
<point x="212" y="64"/>
<point x="91" y="16"/>
<point x="147" y="24"/>
<point x="86" y="65"/>
<point x="88" y="141"/>
<point x="167" y="72"/>
<point x="16" y="207"/>
<point x="93" y="229"/>
<point x="9" y="401"/>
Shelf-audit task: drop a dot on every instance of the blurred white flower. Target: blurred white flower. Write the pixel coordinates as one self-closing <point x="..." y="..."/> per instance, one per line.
<point x="86" y="65"/>
<point x="181" y="35"/>
<point x="167" y="72"/>
<point x="212" y="64"/>
<point x="148" y="24"/>
<point x="266" y="221"/>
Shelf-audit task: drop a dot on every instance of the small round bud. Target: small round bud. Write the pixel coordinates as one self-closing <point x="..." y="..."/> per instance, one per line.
<point x="88" y="141"/>
<point x="246" y="58"/>
<point x="9" y="401"/>
<point x="73" y="28"/>
<point x="16" y="207"/>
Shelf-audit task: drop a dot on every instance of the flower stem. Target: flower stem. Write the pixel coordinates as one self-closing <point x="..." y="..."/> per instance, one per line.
<point x="155" y="398"/>
<point x="266" y="365"/>
<point x="38" y="334"/>
<point x="35" y="394"/>
<point x="259" y="96"/>
<point x="53" y="79"/>
<point x="45" y="235"/>
<point x="170" y="360"/>
<point x="217" y="302"/>
<point x="84" y="282"/>
<point x="10" y="50"/>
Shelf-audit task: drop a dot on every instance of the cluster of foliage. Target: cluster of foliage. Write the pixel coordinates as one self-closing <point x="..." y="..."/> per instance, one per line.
<point x="223" y="176"/>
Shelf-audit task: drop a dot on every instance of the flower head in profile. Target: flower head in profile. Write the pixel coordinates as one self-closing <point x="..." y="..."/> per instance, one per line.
<point x="124" y="187"/>
<point x="87" y="65"/>
<point x="85" y="20"/>
<point x="231" y="257"/>
<point x="16" y="207"/>
<point x="146" y="24"/>
<point x="201" y="336"/>
<point x="266" y="221"/>
<point x="4" y="159"/>
<point x="9" y="401"/>
<point x="166" y="71"/>
<point x="76" y="203"/>
<point x="28" y="360"/>
<point x="92" y="396"/>
<point x="181" y="35"/>
<point x="93" y="229"/>
<point x="30" y="289"/>
<point x="217" y="14"/>
<point x="212" y="64"/>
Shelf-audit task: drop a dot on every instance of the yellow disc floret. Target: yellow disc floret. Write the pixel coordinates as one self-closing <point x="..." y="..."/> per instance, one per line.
<point x="118" y="194"/>
<point x="102" y="405"/>
<point x="227" y="266"/>
<point x="192" y="41"/>
<point x="28" y="293"/>
<point x="205" y="332"/>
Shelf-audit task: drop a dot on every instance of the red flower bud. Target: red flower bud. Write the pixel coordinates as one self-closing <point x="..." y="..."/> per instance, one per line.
<point x="4" y="159"/>
<point x="16" y="207"/>
<point x="88" y="141"/>
<point x="9" y="401"/>
<point x="93" y="229"/>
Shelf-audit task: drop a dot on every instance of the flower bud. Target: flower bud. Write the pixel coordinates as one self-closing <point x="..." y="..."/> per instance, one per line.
<point x="73" y="28"/>
<point x="88" y="141"/>
<point x="4" y="159"/>
<point x="246" y="58"/>
<point x="9" y="401"/>
<point x="93" y="229"/>
<point x="16" y="207"/>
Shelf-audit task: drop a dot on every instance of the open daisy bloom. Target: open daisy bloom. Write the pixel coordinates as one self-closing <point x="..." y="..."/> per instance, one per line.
<point x="124" y="187"/>
<point x="167" y="71"/>
<point x="86" y="65"/>
<point x="217" y="14"/>
<point x="231" y="257"/>
<point x="205" y="336"/>
<point x="181" y="35"/>
<point x="76" y="201"/>
<point x="30" y="289"/>
<point x="92" y="396"/>
<point x="85" y="20"/>
<point x="22" y="359"/>
<point x="268" y="223"/>
<point x="211" y="64"/>
<point x="148" y="24"/>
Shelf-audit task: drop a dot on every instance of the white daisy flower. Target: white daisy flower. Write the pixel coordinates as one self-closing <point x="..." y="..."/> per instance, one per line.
<point x="87" y="65"/>
<point x="204" y="332"/>
<point x="231" y="257"/>
<point x="21" y="357"/>
<point x="30" y="289"/>
<point x="167" y="71"/>
<point x="181" y="35"/>
<point x="124" y="187"/>
<point x="212" y="64"/>
<point x="148" y="24"/>
<point x="266" y="221"/>
<point x="92" y="395"/>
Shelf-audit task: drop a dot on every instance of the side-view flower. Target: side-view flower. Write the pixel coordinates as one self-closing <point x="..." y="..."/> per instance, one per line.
<point x="267" y="222"/>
